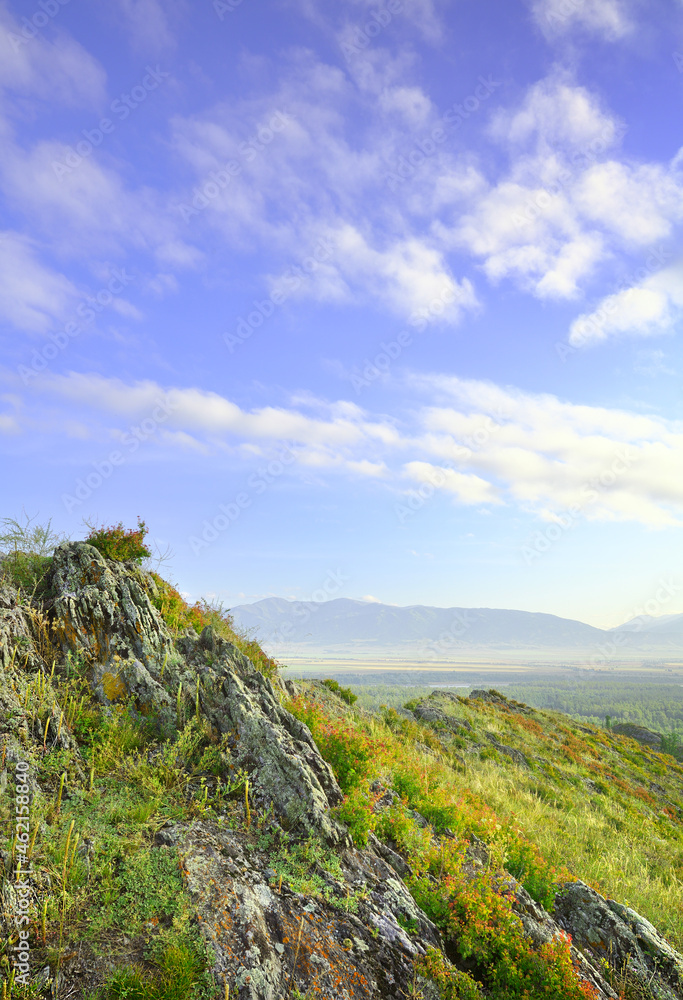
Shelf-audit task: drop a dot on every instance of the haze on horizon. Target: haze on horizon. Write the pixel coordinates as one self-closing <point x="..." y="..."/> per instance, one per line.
<point x="387" y="294"/>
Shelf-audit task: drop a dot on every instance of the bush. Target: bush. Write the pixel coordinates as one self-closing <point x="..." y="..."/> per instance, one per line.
<point x="348" y="751"/>
<point x="355" y="812"/>
<point x="120" y="544"/>
<point x="26" y="552"/>
<point x="346" y="694"/>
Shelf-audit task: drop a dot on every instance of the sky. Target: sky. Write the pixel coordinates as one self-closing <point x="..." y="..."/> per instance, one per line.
<point x="379" y="300"/>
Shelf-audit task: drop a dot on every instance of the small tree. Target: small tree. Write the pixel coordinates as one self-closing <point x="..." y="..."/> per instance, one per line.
<point x="119" y="543"/>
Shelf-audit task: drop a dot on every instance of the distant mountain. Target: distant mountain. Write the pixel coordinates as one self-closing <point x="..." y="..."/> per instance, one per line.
<point x="344" y="627"/>
<point x="367" y="628"/>
<point x="664" y="625"/>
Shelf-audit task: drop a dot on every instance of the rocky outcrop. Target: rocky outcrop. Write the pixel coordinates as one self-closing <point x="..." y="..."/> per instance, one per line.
<point x="278" y="750"/>
<point x="354" y="930"/>
<point x="645" y="736"/>
<point x="431" y="713"/>
<point x="100" y="608"/>
<point x="348" y="940"/>
<point x="604" y="929"/>
<point x="516" y="755"/>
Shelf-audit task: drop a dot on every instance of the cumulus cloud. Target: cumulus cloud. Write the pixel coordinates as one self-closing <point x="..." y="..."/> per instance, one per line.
<point x="567" y="203"/>
<point x="650" y="308"/>
<point x="476" y="443"/>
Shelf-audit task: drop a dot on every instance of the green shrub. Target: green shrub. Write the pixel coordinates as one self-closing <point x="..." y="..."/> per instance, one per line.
<point x="348" y="751"/>
<point x="26" y="551"/>
<point x="346" y="694"/>
<point x="483" y="929"/>
<point x="525" y="863"/>
<point x="119" y="543"/>
<point x="355" y="812"/>
<point x="453" y="984"/>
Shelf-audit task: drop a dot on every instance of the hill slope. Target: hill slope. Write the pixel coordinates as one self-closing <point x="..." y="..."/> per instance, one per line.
<point x="198" y="828"/>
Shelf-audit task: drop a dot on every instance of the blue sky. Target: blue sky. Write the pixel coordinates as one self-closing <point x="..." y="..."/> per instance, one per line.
<point x="370" y="300"/>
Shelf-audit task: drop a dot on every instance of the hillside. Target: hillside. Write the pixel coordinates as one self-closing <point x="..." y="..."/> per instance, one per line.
<point x="198" y="827"/>
<point x="363" y="628"/>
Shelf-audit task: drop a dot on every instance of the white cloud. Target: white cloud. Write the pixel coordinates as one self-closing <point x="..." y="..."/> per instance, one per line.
<point x="476" y="442"/>
<point x="32" y="295"/>
<point x="410" y="276"/>
<point x="651" y="308"/>
<point x="639" y="204"/>
<point x="147" y="24"/>
<point x="548" y="456"/>
<point x="465" y="487"/>
<point x="609" y="18"/>
<point x="59" y="72"/>
<point x="557" y="113"/>
<point x="566" y="204"/>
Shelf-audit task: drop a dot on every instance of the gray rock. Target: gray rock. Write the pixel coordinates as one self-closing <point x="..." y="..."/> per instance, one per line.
<point x="267" y="942"/>
<point x="644" y="735"/>
<point x="101" y="608"/>
<point x="602" y="928"/>
<point x="272" y="746"/>
<point x="510" y="752"/>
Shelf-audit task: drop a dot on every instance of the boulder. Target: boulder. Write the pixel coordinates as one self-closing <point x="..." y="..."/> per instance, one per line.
<point x="101" y="608"/>
<point x="604" y="929"/>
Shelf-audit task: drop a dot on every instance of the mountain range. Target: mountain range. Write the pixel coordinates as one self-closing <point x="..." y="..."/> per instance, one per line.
<point x="369" y="629"/>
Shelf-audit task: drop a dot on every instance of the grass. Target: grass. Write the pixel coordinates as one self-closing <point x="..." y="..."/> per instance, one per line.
<point x="542" y="822"/>
<point x="590" y="805"/>
<point x="179" y="616"/>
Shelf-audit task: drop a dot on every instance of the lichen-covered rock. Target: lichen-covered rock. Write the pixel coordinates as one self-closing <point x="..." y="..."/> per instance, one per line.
<point x="641" y="733"/>
<point x="101" y="608"/>
<point x="121" y="679"/>
<point x="540" y="928"/>
<point x="272" y="746"/>
<point x="268" y="939"/>
<point x="510" y="752"/>
<point x="17" y="646"/>
<point x="604" y="929"/>
<point x="430" y="713"/>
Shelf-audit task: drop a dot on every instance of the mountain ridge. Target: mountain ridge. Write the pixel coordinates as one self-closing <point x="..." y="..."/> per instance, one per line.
<point x="329" y="625"/>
